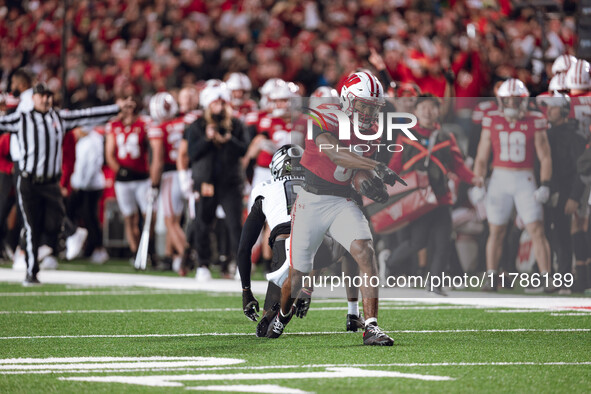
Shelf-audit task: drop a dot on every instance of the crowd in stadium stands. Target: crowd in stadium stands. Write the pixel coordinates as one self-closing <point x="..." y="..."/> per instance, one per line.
<point x="161" y="45"/>
<point x="144" y="48"/>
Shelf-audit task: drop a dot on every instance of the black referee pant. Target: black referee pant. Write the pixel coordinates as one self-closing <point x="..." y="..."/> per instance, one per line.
<point x="42" y="209"/>
<point x="557" y="225"/>
<point x="7" y="200"/>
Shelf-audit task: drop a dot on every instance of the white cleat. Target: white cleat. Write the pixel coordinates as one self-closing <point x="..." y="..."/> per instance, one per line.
<point x="19" y="262"/>
<point x="75" y="242"/>
<point x="43" y="252"/>
<point x="203" y="275"/>
<point x="49" y="263"/>
<point x="176" y="263"/>
<point x="99" y="256"/>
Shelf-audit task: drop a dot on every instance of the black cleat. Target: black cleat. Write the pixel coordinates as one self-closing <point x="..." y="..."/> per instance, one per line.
<point x="489" y="286"/>
<point x="374" y="336"/>
<point x="187" y="262"/>
<point x="278" y="324"/>
<point x="439" y="291"/>
<point x="31" y="280"/>
<point x="263" y="325"/>
<point x="355" y="323"/>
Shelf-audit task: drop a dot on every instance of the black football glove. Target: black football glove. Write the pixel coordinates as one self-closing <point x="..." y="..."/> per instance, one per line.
<point x="302" y="303"/>
<point x="374" y="189"/>
<point x="387" y="175"/>
<point x="450" y="76"/>
<point x="250" y="305"/>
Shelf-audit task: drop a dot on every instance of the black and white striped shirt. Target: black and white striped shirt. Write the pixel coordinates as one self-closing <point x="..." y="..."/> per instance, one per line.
<point x="40" y="136"/>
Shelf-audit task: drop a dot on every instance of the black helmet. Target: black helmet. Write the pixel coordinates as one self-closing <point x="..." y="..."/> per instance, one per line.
<point x="286" y="162"/>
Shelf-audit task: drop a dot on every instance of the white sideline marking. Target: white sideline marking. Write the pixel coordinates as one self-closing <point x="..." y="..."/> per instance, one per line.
<point x="330" y="373"/>
<point x="556" y="310"/>
<point x="231" y="287"/>
<point x="255" y="388"/>
<point x="225" y="334"/>
<point x="571" y="314"/>
<point x="94" y="292"/>
<point x="339" y="308"/>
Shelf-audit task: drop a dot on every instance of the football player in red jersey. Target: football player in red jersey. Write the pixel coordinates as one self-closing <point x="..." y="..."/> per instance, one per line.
<point x="578" y="82"/>
<point x="515" y="136"/>
<point x="167" y="133"/>
<point x="252" y="119"/>
<point x="324" y="205"/>
<point x="240" y="86"/>
<point x="274" y="131"/>
<point x="126" y="153"/>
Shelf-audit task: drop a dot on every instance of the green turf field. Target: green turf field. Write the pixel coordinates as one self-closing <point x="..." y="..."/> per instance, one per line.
<point x="58" y="338"/>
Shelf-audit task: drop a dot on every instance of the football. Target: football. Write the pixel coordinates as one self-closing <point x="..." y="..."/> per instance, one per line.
<point x="359" y="177"/>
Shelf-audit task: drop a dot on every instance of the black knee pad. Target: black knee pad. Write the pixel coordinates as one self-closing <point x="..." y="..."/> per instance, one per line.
<point x="580" y="246"/>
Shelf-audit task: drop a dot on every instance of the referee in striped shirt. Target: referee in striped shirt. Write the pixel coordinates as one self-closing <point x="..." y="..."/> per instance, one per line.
<point x="39" y="133"/>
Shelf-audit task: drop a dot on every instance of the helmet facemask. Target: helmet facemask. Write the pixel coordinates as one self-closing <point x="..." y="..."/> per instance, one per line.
<point x="514" y="107"/>
<point x="280" y="107"/>
<point x="365" y="109"/>
<point x="238" y="97"/>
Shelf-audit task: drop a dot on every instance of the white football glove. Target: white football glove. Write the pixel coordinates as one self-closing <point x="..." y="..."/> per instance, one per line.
<point x="542" y="194"/>
<point x="476" y="194"/>
<point x="186" y="183"/>
<point x="153" y="195"/>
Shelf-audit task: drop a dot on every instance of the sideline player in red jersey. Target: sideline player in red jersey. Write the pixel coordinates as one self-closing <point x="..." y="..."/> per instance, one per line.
<point x="274" y="131"/>
<point x="324" y="205"/>
<point x="515" y="136"/>
<point x="240" y="86"/>
<point x="167" y="134"/>
<point x="126" y="153"/>
<point x="578" y="82"/>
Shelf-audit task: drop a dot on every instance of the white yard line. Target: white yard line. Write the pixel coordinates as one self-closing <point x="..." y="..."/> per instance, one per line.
<point x="122" y="311"/>
<point x="208" y="310"/>
<point x="214" y="334"/>
<point x="145" y="364"/>
<point x="330" y="373"/>
<point x="244" y="388"/>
